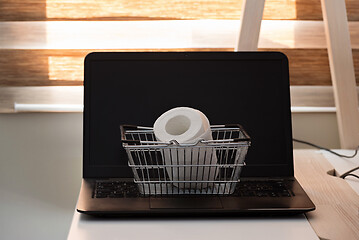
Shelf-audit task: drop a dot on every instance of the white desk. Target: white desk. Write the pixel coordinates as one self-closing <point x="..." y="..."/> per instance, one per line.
<point x="334" y="218"/>
<point x="296" y="228"/>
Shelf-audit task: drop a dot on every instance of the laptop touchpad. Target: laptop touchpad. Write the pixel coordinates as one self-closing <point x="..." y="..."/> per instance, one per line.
<point x="186" y="203"/>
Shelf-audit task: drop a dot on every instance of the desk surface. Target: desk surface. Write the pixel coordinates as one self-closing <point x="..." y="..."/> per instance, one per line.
<point x="87" y="227"/>
<point x="336" y="216"/>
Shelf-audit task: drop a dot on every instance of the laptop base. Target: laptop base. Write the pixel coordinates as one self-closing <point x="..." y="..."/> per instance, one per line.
<point x="194" y="205"/>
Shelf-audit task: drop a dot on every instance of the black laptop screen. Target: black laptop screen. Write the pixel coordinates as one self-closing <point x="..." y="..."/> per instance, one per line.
<point x="251" y="89"/>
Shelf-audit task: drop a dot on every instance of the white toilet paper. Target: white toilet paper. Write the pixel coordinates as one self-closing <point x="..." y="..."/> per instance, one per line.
<point x="187" y="125"/>
<point x="183" y="124"/>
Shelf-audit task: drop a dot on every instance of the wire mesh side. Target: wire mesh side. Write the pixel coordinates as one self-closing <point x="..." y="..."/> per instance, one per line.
<point x="174" y="169"/>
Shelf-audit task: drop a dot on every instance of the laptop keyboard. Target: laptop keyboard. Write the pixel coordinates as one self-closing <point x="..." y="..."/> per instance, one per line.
<point x="263" y="189"/>
<point x="119" y="189"/>
<point x="115" y="189"/>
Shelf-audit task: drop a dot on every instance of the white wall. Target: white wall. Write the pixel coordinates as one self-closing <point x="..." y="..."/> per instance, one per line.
<point x="41" y="161"/>
<point x="318" y="128"/>
<point x="40" y="173"/>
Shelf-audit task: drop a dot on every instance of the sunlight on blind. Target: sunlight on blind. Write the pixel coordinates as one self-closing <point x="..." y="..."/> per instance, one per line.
<point x="66" y="68"/>
<point x="163" y="9"/>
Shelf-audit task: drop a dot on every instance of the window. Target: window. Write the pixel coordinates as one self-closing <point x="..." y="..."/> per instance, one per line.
<point x="43" y="42"/>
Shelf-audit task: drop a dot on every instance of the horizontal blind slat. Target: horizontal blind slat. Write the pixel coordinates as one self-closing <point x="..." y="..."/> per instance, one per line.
<point x="64" y="67"/>
<point x="42" y="10"/>
<point x="161" y="34"/>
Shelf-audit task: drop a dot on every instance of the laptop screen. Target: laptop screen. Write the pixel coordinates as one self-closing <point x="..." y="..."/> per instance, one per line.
<point x="248" y="88"/>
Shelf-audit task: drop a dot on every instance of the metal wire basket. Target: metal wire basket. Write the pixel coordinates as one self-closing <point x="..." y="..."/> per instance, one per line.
<point x="168" y="168"/>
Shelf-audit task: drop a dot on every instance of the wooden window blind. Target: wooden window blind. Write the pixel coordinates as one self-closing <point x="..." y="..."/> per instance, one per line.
<point x="63" y="10"/>
<point x="43" y="42"/>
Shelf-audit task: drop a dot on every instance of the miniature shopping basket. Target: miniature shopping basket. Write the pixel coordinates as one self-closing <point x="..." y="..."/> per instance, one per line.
<point x="169" y="168"/>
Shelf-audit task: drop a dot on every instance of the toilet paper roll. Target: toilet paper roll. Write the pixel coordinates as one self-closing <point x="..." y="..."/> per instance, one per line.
<point x="187" y="125"/>
<point x="183" y="124"/>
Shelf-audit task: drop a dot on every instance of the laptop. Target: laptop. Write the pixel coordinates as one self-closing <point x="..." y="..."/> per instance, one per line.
<point x="246" y="88"/>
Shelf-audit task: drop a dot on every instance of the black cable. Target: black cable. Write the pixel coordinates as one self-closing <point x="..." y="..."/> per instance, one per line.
<point x="348" y="172"/>
<point x="353" y="175"/>
<point x="326" y="149"/>
<point x="344" y="175"/>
